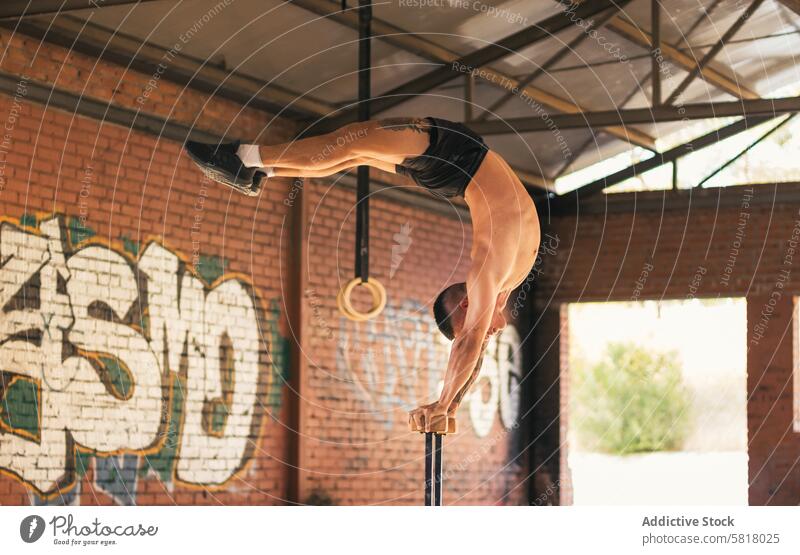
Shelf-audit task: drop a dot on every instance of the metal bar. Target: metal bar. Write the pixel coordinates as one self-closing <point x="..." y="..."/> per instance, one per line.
<point x="132" y="52"/>
<point x="745" y="150"/>
<point x="737" y="108"/>
<point x="727" y="81"/>
<point x="637" y="88"/>
<point x="554" y="59"/>
<point x="105" y="112"/>
<point x="732" y="30"/>
<point x="571" y="199"/>
<point x="297" y="262"/>
<point x="655" y="51"/>
<point x="574" y="155"/>
<point x="491" y="53"/>
<point x="675" y="175"/>
<point x="469" y="95"/>
<point x="437" y="472"/>
<point x="793" y="5"/>
<point x="428" y="469"/>
<point x="16" y="9"/>
<point x="364" y="100"/>
<point x="718" y="198"/>
<point x="426" y="49"/>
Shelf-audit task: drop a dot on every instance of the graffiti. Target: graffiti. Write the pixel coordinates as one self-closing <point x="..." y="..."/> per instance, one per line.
<point x="398" y="361"/>
<point x="94" y="346"/>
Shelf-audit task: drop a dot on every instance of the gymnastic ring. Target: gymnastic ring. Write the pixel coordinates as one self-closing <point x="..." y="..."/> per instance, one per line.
<point x="375" y="288"/>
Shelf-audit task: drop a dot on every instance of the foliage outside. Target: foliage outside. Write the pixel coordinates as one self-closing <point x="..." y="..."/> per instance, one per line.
<point x="631" y="401"/>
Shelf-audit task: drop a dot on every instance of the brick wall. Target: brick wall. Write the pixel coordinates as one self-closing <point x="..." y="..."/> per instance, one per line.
<point x="361" y="379"/>
<point x="740" y="245"/>
<point x="145" y="351"/>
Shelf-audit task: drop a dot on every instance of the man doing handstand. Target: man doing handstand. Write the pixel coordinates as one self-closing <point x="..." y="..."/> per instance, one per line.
<point x="449" y="160"/>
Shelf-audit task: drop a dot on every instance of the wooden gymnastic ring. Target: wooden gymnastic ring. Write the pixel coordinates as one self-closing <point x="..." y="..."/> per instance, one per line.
<point x="375" y="288"/>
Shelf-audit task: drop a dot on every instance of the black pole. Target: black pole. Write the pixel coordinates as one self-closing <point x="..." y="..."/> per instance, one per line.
<point x="364" y="94"/>
<point x="428" y="469"/>
<point x="437" y="471"/>
<point x="744" y="151"/>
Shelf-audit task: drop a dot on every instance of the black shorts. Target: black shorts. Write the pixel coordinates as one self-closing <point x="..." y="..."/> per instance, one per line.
<point x="453" y="156"/>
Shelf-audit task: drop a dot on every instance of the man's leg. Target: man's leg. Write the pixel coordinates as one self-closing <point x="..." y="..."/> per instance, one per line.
<point x="243" y="167"/>
<point x="349" y="164"/>
<point x="389" y="140"/>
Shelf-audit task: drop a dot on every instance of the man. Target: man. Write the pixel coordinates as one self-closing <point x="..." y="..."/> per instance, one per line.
<point x="449" y="160"/>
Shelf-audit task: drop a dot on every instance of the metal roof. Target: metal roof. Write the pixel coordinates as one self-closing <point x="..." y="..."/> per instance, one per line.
<point x="299" y="46"/>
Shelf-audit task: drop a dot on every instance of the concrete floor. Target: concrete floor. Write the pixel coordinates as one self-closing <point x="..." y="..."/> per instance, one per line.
<point x="665" y="478"/>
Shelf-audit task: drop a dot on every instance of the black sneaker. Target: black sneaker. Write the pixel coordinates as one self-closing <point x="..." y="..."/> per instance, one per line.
<point x="221" y="163"/>
<point x="255" y="186"/>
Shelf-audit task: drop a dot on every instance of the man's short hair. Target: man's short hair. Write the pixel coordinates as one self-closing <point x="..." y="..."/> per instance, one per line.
<point x="445" y="305"/>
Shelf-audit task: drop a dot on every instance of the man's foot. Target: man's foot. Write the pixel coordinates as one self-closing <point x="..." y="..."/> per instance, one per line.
<point x="221" y="163"/>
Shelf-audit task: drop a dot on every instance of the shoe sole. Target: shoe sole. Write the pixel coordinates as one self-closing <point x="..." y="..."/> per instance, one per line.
<point x="222" y="177"/>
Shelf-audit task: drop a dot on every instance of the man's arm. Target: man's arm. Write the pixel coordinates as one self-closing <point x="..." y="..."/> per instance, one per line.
<point x="467" y="350"/>
<point x="502" y="300"/>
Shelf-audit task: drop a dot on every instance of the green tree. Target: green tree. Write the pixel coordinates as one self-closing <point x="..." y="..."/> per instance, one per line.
<point x="632" y="400"/>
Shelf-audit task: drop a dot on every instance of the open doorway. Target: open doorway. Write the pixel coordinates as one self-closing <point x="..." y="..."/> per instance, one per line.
<point x="658" y="403"/>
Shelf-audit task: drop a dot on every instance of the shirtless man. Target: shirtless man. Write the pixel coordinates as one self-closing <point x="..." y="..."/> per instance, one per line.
<point x="449" y="160"/>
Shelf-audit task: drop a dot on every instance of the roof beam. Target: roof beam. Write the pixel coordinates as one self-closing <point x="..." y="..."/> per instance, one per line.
<point x="573" y="198"/>
<point x="728" y="83"/>
<point x="793" y="5"/>
<point x="476" y="59"/>
<point x="424" y="48"/>
<point x="726" y="37"/>
<point x="97" y="41"/>
<point x="555" y="58"/>
<point x="15" y="9"/>
<point x="684" y="200"/>
<point x="761" y="107"/>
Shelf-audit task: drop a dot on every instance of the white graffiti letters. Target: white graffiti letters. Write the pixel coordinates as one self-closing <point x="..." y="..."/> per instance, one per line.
<point x="99" y="337"/>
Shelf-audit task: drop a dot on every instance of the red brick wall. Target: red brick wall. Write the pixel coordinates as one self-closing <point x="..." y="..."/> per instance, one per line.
<point x="145" y="313"/>
<point x="361" y="379"/>
<point x="739" y="248"/>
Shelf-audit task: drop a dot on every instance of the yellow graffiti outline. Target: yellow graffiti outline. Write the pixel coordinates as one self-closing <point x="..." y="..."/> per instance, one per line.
<point x="265" y="373"/>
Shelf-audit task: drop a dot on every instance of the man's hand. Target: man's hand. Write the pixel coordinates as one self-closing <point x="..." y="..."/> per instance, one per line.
<point x="422" y="417"/>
